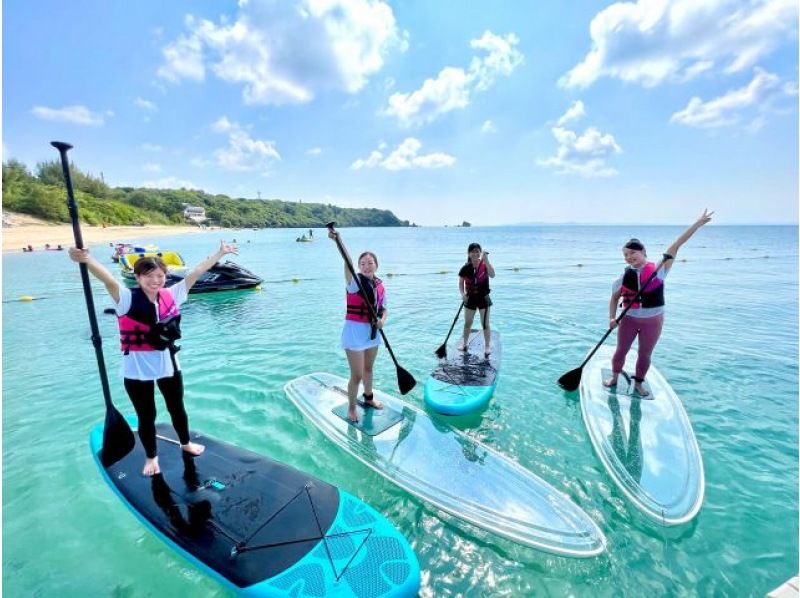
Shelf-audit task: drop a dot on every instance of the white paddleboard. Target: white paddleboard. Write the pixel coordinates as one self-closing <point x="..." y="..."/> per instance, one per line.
<point x="451" y="471"/>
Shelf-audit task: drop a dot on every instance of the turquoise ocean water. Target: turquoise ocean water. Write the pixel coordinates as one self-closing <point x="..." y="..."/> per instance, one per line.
<point x="729" y="349"/>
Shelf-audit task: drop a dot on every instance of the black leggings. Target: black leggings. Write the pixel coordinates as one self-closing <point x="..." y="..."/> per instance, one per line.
<point x="142" y="395"/>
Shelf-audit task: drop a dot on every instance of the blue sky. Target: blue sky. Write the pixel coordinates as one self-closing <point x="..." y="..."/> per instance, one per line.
<point x="491" y="112"/>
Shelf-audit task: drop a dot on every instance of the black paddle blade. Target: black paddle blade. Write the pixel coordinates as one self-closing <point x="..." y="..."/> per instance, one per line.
<point x="118" y="439"/>
<point x="571" y="380"/>
<point x="405" y="380"/>
<point x="441" y="352"/>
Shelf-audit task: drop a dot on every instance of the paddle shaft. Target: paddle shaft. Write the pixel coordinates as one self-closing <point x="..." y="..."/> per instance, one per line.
<point x="372" y="313"/>
<point x="87" y="287"/>
<point x="618" y="319"/>
<point x="453" y="325"/>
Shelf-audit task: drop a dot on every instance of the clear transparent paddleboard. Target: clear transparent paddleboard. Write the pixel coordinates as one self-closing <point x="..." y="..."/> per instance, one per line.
<point x="446" y="468"/>
<point x="646" y="445"/>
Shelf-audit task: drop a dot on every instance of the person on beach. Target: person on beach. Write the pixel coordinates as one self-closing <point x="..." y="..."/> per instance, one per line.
<point x="645" y="317"/>
<point x="148" y="322"/>
<point x="473" y="284"/>
<point x="360" y="339"/>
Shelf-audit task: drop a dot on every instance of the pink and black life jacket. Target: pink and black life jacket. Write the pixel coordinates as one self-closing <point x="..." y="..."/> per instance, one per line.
<point x="357" y="310"/>
<point x="653" y="294"/>
<point x="477" y="284"/>
<point x="139" y="330"/>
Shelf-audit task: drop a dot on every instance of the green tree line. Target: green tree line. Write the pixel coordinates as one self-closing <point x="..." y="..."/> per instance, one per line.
<point x="42" y="194"/>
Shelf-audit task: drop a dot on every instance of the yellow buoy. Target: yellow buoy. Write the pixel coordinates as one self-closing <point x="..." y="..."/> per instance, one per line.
<point x="258" y="287"/>
<point x="295" y="280"/>
<point x="26" y="298"/>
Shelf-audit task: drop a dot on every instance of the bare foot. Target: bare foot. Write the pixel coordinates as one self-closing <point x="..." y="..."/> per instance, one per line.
<point x="640" y="390"/>
<point x="373" y="403"/>
<point x="193" y="448"/>
<point x="151" y="467"/>
<point x="352" y="415"/>
<point x="462" y="346"/>
<point x="611" y="382"/>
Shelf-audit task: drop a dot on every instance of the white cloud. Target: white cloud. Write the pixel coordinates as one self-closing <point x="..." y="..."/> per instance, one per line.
<point x="575" y="112"/>
<point x="151" y="147"/>
<point x="146" y="104"/>
<point x="727" y="109"/>
<point x="452" y="87"/>
<point x="404" y="157"/>
<point x="152" y="167"/>
<point x="78" y="115"/>
<point x="488" y="127"/>
<point x="286" y="53"/>
<point x="314" y="151"/>
<point x="585" y="154"/>
<point x="243" y="152"/>
<point x="170" y="183"/>
<point x="653" y="41"/>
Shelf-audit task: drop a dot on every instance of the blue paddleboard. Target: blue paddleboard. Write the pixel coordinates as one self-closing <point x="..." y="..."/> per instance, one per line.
<point x="259" y="527"/>
<point x="465" y="380"/>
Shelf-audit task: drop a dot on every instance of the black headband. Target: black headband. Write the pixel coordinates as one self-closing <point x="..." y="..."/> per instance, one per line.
<point x="634" y="244"/>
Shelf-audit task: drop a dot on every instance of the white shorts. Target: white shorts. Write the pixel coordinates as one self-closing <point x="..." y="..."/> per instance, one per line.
<point x="355" y="336"/>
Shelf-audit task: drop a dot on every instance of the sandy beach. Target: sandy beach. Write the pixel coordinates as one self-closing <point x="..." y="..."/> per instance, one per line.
<point x="20" y="230"/>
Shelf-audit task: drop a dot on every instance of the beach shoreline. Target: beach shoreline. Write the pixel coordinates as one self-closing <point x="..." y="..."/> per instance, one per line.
<point x="25" y="230"/>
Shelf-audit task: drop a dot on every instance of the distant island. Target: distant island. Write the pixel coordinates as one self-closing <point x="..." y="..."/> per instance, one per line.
<point x="464" y="224"/>
<point x="42" y="195"/>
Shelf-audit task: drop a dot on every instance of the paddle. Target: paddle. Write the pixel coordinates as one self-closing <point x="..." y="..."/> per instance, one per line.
<point x="572" y="379"/>
<point x="118" y="438"/>
<point x="441" y="352"/>
<point x="405" y="381"/>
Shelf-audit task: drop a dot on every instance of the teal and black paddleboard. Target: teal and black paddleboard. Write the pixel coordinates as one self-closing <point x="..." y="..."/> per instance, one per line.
<point x="260" y="527"/>
<point x="465" y="380"/>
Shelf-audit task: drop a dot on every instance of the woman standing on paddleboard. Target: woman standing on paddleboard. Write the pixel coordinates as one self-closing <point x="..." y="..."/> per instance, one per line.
<point x="473" y="284"/>
<point x="360" y="339"/>
<point x="645" y="317"/>
<point x="149" y="325"/>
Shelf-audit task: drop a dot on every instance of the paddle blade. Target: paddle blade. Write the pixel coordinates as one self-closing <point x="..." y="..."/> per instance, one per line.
<point x="118" y="439"/>
<point x="441" y="352"/>
<point x="405" y="380"/>
<point x="571" y="380"/>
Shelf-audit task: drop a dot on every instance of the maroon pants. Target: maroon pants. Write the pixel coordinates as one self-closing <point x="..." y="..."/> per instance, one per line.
<point x="648" y="330"/>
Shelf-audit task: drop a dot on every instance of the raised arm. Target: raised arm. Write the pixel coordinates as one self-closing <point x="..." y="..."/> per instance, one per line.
<point x="489" y="267"/>
<point x="334" y="234"/>
<point x="672" y="250"/>
<point x="99" y="271"/>
<point x="202" y="267"/>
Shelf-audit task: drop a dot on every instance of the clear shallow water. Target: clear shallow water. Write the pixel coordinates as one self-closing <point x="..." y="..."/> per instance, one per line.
<point x="729" y="350"/>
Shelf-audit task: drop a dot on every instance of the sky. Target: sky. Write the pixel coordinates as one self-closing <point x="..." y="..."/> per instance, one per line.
<point x="493" y="112"/>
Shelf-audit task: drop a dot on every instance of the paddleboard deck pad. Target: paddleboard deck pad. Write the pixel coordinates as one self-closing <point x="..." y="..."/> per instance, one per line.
<point x="261" y="527"/>
<point x="371" y="421"/>
<point x="465" y="380"/>
<point x="449" y="470"/>
<point x="647" y="447"/>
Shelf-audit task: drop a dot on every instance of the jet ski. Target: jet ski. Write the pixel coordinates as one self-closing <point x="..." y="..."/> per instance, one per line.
<point x="228" y="276"/>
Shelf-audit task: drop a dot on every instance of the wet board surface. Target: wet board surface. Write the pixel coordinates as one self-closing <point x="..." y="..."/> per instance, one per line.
<point x="648" y="446"/>
<point x="465" y="380"/>
<point x="261" y="527"/>
<point x="446" y="468"/>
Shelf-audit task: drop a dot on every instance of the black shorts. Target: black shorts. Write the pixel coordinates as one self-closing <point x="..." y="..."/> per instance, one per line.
<point x="478" y="302"/>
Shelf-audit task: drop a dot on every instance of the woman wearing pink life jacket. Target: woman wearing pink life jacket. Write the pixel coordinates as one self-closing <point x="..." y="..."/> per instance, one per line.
<point x="645" y="317"/>
<point x="149" y="318"/>
<point x="473" y="284"/>
<point x="360" y="338"/>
